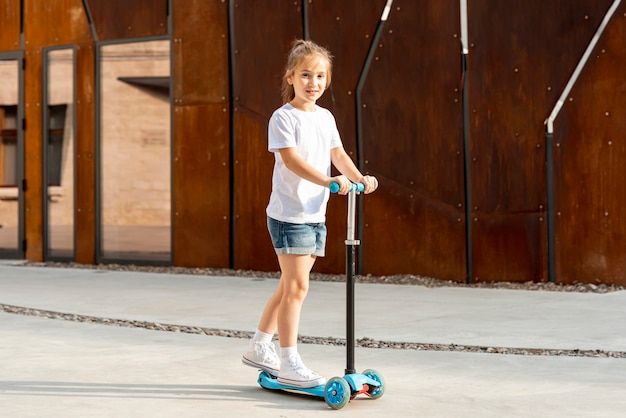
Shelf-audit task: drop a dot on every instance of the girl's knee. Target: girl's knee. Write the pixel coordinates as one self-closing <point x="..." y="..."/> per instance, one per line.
<point x="296" y="288"/>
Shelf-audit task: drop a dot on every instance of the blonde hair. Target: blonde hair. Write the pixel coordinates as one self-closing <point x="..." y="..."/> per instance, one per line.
<point x="300" y="50"/>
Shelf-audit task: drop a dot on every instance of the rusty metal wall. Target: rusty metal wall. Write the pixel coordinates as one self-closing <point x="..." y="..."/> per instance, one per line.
<point x="347" y="28"/>
<point x="123" y="19"/>
<point x="71" y="27"/>
<point x="201" y="149"/>
<point x="10" y="16"/>
<point x="518" y="64"/>
<point x="228" y="58"/>
<point x="413" y="140"/>
<point x="589" y="157"/>
<point x="261" y="33"/>
<point x="85" y="152"/>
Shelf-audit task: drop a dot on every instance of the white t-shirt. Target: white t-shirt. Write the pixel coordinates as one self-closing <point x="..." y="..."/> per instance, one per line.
<point x="313" y="134"/>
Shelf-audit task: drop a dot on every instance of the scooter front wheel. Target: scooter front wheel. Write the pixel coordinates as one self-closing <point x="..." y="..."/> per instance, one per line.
<point x="375" y="392"/>
<point x="337" y="393"/>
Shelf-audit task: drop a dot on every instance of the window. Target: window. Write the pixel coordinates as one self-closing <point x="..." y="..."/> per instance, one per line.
<point x="56" y="134"/>
<point x="8" y="146"/>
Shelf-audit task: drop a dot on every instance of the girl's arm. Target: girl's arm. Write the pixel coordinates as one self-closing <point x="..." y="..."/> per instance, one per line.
<point x="342" y="161"/>
<point x="294" y="162"/>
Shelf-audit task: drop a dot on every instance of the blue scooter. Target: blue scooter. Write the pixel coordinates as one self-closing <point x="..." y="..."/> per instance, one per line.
<point x="338" y="391"/>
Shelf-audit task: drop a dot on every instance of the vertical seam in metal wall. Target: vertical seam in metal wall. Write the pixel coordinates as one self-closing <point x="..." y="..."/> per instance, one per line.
<point x="44" y="160"/>
<point x="74" y="91"/>
<point x="305" y="20"/>
<point x="469" y="250"/>
<point x="231" y="131"/>
<point x="359" y="118"/>
<point x="90" y="21"/>
<point x="22" y="24"/>
<point x="97" y="154"/>
<point x="170" y="34"/>
<point x="22" y="157"/>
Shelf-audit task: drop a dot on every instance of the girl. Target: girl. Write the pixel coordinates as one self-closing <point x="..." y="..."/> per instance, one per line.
<point x="304" y="139"/>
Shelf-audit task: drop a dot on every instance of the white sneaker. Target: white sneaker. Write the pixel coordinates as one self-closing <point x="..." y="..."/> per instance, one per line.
<point x="262" y="356"/>
<point x="295" y="373"/>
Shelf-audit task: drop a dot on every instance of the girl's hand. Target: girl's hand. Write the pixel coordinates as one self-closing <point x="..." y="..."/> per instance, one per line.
<point x="343" y="182"/>
<point x="370" y="182"/>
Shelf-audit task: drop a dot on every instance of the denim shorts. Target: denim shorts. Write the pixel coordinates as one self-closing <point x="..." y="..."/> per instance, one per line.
<point x="289" y="238"/>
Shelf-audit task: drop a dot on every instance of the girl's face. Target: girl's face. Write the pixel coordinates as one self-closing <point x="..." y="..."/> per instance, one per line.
<point x="309" y="80"/>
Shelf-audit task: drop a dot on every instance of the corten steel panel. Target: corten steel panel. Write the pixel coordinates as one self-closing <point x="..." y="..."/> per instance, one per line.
<point x="201" y="186"/>
<point x="123" y="19"/>
<point x="33" y="172"/>
<point x="71" y="26"/>
<point x="413" y="142"/>
<point x="346" y="28"/>
<point x="590" y="156"/>
<point x="85" y="151"/>
<point x="518" y="63"/>
<point x="201" y="179"/>
<point x="200" y="43"/>
<point x="253" y="179"/>
<point x="263" y="31"/>
<point x="69" y="17"/>
<point x="10" y="25"/>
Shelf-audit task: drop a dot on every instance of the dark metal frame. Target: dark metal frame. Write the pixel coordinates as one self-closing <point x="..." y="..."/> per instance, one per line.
<point x="20" y="251"/>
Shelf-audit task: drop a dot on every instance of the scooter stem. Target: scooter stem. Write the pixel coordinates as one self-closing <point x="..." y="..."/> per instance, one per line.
<point x="351" y="244"/>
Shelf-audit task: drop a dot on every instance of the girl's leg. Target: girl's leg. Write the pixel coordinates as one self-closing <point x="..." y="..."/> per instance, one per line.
<point x="292" y="290"/>
<point x="294" y="279"/>
<point x="269" y="319"/>
<point x="260" y="352"/>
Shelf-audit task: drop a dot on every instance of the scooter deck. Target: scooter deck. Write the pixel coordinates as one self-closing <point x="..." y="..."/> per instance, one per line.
<point x="267" y="381"/>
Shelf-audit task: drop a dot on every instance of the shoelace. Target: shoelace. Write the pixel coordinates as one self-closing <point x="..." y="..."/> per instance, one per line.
<point x="299" y="367"/>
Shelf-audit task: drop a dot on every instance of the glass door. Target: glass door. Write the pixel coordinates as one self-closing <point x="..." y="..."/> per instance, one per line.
<point x="59" y="153"/>
<point x="134" y="181"/>
<point x="12" y="244"/>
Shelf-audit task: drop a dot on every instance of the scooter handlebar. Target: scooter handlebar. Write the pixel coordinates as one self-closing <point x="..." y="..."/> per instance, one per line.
<point x="359" y="187"/>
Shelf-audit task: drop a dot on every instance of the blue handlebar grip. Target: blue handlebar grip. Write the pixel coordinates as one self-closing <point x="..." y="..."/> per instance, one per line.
<point x="360" y="187"/>
<point x="334" y="187"/>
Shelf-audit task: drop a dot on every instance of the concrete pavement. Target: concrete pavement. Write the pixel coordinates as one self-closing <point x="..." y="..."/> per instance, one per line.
<point x="57" y="368"/>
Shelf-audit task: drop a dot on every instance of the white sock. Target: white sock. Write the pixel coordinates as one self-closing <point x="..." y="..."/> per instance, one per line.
<point x="262" y="337"/>
<point x="286" y="352"/>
